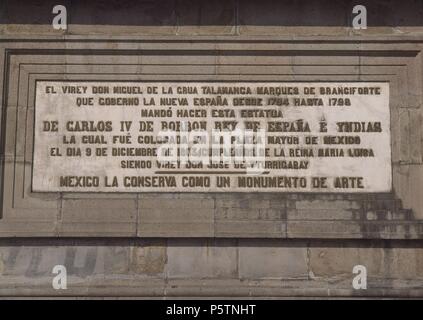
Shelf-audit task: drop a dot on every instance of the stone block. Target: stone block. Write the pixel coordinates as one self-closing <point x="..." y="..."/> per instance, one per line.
<point x="250" y="229"/>
<point x="199" y="259"/>
<point x="271" y="260"/>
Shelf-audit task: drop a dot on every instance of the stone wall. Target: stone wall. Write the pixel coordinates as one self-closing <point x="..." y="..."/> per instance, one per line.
<point x="215" y="245"/>
<point x="211" y="267"/>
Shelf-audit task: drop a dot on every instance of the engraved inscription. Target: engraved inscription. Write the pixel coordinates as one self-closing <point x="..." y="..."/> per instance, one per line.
<point x="98" y="136"/>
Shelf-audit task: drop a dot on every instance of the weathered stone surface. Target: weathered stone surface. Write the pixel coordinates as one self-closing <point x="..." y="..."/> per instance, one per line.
<point x="381" y="262"/>
<point x="203" y="259"/>
<point x="149" y="258"/>
<point x="269" y="260"/>
<point x="175" y="216"/>
<point x="211" y="267"/>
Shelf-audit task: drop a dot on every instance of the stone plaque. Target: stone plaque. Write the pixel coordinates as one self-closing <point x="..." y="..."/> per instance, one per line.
<point x="98" y="136"/>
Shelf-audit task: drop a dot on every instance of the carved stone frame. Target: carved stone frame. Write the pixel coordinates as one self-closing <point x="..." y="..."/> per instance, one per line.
<point x="255" y="215"/>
